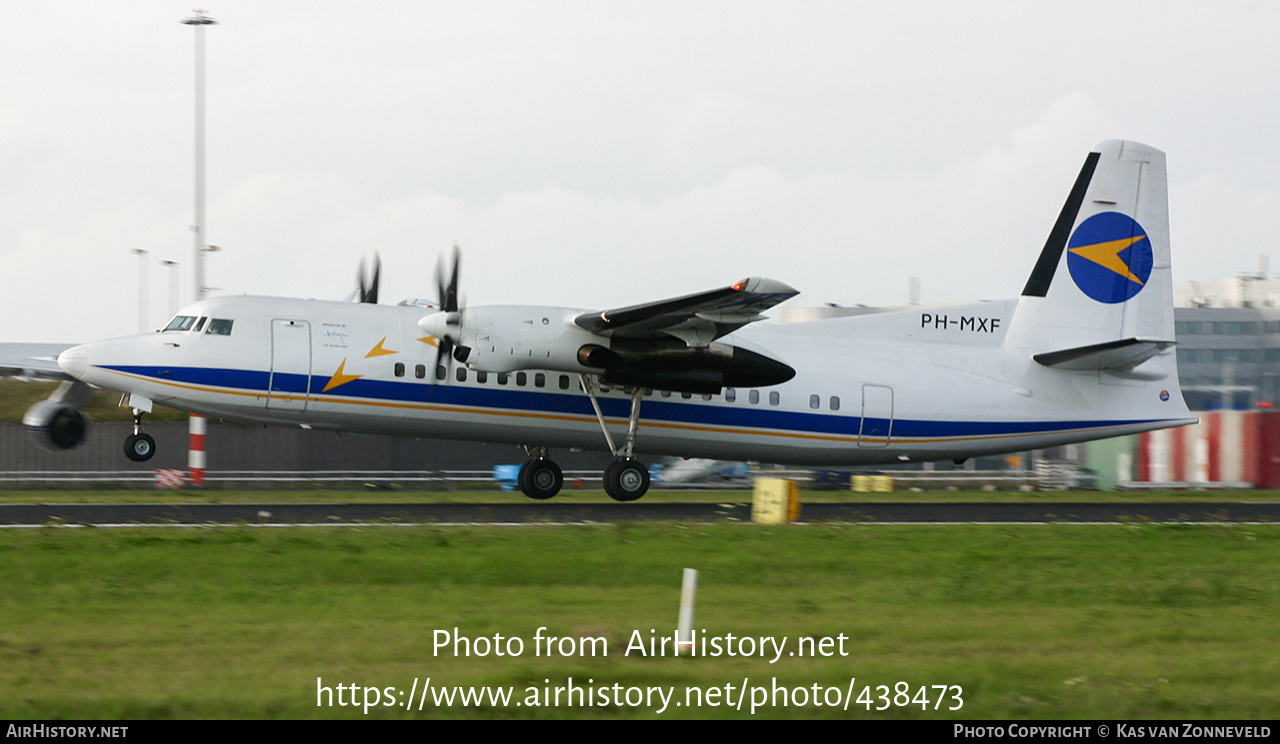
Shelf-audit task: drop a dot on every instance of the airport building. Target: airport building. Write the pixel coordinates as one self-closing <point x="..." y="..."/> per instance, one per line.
<point x="1228" y="335"/>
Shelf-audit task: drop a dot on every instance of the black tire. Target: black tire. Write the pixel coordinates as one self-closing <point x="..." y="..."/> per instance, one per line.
<point x="626" y="480"/>
<point x="540" y="479"/>
<point x="139" y="447"/>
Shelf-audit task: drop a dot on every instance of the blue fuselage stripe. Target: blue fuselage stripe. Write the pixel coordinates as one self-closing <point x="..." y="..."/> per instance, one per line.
<point x="548" y="401"/>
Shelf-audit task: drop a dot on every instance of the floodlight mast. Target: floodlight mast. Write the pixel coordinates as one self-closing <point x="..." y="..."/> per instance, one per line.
<point x="196" y="461"/>
<point x="199" y="21"/>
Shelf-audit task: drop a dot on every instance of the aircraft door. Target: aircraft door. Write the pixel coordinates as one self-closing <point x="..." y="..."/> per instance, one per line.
<point x="290" y="383"/>
<point x="877" y="416"/>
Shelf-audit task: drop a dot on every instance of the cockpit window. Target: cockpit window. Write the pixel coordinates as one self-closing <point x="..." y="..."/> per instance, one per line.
<point x="219" y="327"/>
<point x="181" y="323"/>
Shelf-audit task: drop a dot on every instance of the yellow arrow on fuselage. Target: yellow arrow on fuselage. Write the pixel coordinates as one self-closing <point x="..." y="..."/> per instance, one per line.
<point x="340" y="377"/>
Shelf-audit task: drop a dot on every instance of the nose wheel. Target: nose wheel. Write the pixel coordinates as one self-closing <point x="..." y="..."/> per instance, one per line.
<point x="139" y="446"/>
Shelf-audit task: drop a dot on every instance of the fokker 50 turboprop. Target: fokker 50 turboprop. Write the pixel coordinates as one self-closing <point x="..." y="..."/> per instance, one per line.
<point x="1084" y="353"/>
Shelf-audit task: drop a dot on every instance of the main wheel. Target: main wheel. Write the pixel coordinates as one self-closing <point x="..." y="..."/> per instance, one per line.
<point x="139" y="447"/>
<point x="626" y="480"/>
<point x="540" y="478"/>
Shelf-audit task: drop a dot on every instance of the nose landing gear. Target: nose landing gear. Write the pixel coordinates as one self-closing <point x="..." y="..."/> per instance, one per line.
<point x="138" y="446"/>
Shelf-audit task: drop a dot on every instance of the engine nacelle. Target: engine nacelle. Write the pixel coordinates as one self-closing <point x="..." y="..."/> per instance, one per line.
<point x="510" y="338"/>
<point x="56" y="426"/>
<point x="668" y="364"/>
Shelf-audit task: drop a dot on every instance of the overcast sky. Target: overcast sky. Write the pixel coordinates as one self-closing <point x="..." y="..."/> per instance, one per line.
<point x="596" y="154"/>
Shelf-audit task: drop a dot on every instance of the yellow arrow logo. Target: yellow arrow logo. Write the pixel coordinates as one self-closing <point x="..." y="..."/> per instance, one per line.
<point x="379" y="351"/>
<point x="1107" y="255"/>
<point x="340" y="377"/>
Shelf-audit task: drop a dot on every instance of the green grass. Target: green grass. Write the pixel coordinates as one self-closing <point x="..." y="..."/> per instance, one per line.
<point x="1047" y="621"/>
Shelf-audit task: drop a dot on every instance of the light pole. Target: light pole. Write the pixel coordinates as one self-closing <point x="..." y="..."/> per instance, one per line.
<point x="173" y="286"/>
<point x="195" y="456"/>
<point x="142" y="288"/>
<point x="199" y="21"/>
<point x="204" y="291"/>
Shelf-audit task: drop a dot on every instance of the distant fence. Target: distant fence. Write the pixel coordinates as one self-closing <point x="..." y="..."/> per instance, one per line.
<point x="927" y="480"/>
<point x="266" y="479"/>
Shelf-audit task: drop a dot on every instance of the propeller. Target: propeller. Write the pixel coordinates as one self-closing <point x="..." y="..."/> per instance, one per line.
<point x="448" y="293"/>
<point x="367" y="286"/>
<point x="446" y="325"/>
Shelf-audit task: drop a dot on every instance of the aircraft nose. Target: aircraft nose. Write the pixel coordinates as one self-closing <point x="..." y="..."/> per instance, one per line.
<point x="74" y="361"/>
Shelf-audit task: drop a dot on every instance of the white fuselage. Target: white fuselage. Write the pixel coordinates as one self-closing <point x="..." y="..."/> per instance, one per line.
<point x="915" y="384"/>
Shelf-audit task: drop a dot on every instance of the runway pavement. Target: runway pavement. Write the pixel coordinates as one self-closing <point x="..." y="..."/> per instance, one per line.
<point x="528" y="512"/>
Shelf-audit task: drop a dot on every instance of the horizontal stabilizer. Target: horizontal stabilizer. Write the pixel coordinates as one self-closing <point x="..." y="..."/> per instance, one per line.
<point x="1123" y="354"/>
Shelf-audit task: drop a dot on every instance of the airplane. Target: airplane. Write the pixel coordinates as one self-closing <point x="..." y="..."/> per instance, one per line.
<point x="1085" y="352"/>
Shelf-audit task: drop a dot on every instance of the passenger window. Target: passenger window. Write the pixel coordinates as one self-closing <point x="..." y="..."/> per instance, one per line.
<point x="461" y="374"/>
<point x="540" y="380"/>
<point x="815" y="402"/>
<point x="503" y="377"/>
<point x="666" y="393"/>
<point x="420" y="371"/>
<point x="774" y="398"/>
<point x="754" y="397"/>
<point x="441" y="372"/>
<point x="482" y="377"/>
<point x="219" y="327"/>
<point x="399" y="369"/>
<point x="564" y="382"/>
<point x="835" y="402"/>
<point x="522" y="379"/>
<point x="686" y="396"/>
<point x="730" y="394"/>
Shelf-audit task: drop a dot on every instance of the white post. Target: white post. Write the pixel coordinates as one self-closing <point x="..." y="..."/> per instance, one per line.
<point x="687" y="592"/>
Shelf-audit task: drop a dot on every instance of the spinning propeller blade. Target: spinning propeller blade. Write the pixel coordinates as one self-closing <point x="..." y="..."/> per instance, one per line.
<point x="448" y="322"/>
<point x="367" y="287"/>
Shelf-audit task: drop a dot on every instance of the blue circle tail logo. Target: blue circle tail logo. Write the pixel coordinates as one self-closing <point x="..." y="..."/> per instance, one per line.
<point x="1109" y="257"/>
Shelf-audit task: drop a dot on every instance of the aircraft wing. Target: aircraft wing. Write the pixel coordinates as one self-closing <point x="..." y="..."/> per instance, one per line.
<point x="32" y="361"/>
<point x="698" y="318"/>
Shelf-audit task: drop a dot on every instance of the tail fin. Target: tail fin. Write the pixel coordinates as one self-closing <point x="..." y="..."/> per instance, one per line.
<point x="1101" y="294"/>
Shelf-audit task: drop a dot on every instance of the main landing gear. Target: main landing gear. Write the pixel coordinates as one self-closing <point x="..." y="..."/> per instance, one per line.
<point x="540" y="478"/>
<point x="625" y="479"/>
<point x="138" y="446"/>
